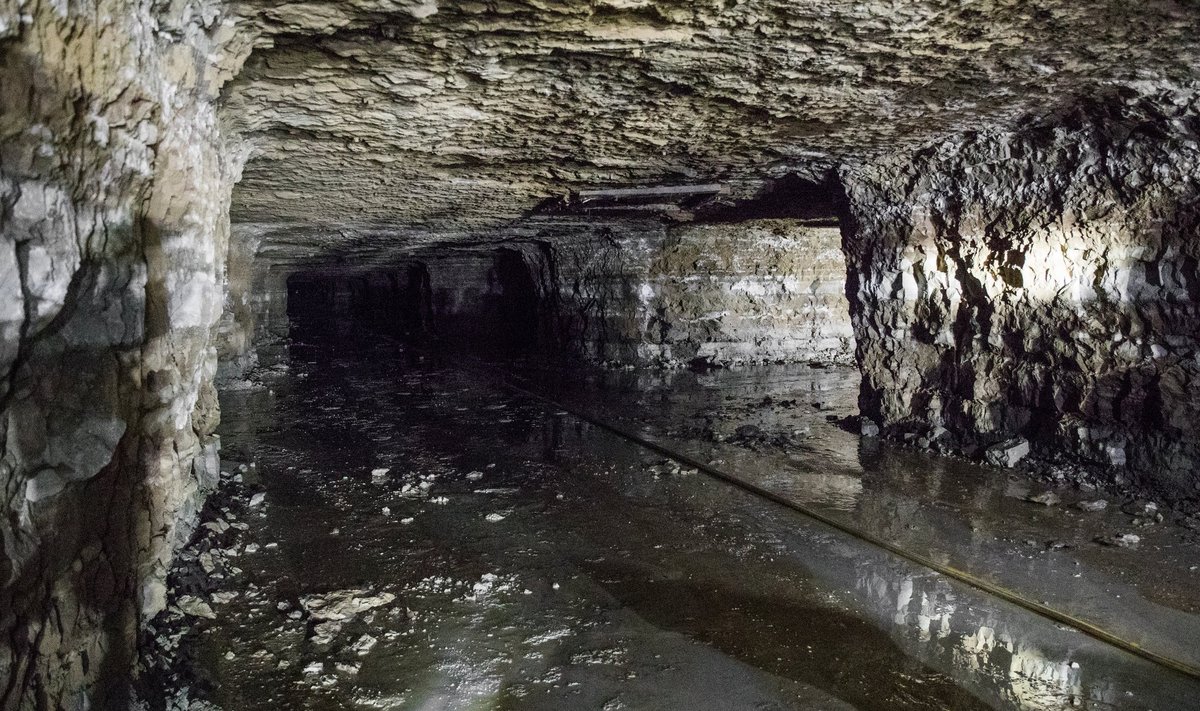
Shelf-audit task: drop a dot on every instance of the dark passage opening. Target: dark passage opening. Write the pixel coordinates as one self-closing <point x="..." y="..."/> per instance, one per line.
<point x="484" y="302"/>
<point x="394" y="302"/>
<point x="518" y="303"/>
<point x="417" y="303"/>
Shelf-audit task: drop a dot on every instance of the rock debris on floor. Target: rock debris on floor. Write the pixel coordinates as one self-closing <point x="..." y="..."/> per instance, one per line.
<point x="405" y="536"/>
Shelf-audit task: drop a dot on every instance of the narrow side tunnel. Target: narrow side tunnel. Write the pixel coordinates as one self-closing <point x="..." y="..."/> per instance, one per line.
<point x="518" y="304"/>
<point x="341" y="303"/>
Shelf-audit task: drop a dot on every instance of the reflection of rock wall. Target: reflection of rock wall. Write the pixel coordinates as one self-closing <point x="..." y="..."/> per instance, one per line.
<point x="1006" y="662"/>
<point x="1041" y="282"/>
<point x="113" y="197"/>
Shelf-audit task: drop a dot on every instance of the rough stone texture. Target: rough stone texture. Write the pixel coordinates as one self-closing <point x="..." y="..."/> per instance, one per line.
<point x="635" y="291"/>
<point x="114" y="193"/>
<point x="753" y="292"/>
<point x="760" y="291"/>
<point x="1042" y="282"/>
<point x="465" y="115"/>
<point x="378" y="126"/>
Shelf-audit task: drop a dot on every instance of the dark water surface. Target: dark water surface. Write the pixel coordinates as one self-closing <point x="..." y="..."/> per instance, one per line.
<point x="612" y="581"/>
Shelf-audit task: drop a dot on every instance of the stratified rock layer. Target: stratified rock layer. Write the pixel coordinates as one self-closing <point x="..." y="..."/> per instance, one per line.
<point x="114" y="195"/>
<point x="1041" y="281"/>
<point x="626" y="292"/>
<point x="467" y="114"/>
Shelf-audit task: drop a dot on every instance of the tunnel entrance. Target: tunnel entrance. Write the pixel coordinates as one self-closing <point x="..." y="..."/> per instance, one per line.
<point x="417" y="303"/>
<point x="394" y="302"/>
<point x="484" y="302"/>
<point x="518" y="304"/>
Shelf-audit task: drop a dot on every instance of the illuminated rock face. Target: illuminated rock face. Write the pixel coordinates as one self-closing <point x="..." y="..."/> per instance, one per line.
<point x="1040" y="282"/>
<point x="114" y="196"/>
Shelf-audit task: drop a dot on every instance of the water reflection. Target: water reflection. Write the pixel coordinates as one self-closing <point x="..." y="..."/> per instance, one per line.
<point x="677" y="591"/>
<point x="947" y="510"/>
<point x="1013" y="659"/>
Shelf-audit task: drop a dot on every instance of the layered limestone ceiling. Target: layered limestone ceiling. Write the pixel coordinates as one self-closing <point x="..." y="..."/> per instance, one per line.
<point x="455" y="117"/>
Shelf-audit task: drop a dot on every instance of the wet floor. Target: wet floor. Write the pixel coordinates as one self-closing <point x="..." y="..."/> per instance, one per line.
<point x="514" y="557"/>
<point x="784" y="429"/>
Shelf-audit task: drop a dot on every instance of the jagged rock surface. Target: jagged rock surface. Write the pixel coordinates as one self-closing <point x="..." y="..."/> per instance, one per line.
<point x="1042" y="282"/>
<point x="114" y="193"/>
<point x="465" y="115"/>
<point x="369" y="124"/>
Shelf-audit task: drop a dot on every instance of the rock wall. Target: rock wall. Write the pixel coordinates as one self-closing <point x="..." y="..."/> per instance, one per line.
<point x="639" y="291"/>
<point x="726" y="293"/>
<point x="114" y="191"/>
<point x="625" y="291"/>
<point x="1042" y="282"/>
<point x="765" y="290"/>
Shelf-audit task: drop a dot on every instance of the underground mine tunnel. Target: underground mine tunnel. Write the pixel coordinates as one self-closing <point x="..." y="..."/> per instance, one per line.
<point x="606" y="354"/>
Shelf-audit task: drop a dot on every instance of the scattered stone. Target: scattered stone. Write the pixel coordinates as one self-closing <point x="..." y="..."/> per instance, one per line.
<point x="347" y="669"/>
<point x="344" y="604"/>
<point x="1092" y="506"/>
<point x="364" y="644"/>
<point x="314" y="668"/>
<point x="257" y="499"/>
<point x="325" y="632"/>
<point x="195" y="607"/>
<point x="1046" y="498"/>
<point x="222" y="598"/>
<point x="494" y="518"/>
<point x="386" y="511"/>
<point x="406" y="520"/>
<point x="379" y="476"/>
<point x="218" y="525"/>
<point x="1141" y="508"/>
<point x="868" y="428"/>
<point x="1121" y="540"/>
<point x="1007" y="453"/>
<point x="666" y="467"/>
<point x="475" y="475"/>
<point x="440" y="500"/>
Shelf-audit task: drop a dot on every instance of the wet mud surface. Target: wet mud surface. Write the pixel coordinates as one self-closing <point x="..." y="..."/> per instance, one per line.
<point x="408" y="535"/>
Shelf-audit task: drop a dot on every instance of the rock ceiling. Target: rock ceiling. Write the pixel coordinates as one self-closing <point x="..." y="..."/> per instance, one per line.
<point x="439" y="116"/>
